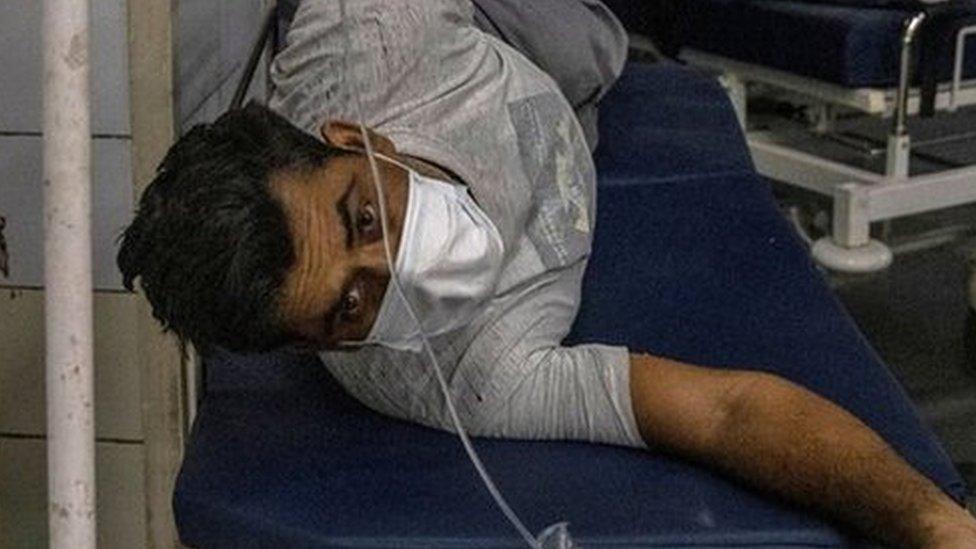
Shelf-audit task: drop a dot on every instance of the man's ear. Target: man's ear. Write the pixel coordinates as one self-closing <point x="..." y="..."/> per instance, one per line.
<point x="348" y="136"/>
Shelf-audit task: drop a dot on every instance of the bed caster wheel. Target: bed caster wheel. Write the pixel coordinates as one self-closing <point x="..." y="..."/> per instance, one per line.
<point x="873" y="256"/>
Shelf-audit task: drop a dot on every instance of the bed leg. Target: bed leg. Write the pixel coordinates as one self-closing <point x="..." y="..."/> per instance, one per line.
<point x="824" y="117"/>
<point x="850" y="248"/>
<point x="898" y="156"/>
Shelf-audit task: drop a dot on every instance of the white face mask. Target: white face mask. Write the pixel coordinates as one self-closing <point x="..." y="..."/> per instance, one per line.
<point x="448" y="263"/>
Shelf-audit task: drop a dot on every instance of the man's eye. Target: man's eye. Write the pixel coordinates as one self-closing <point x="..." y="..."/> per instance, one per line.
<point x="367" y="217"/>
<point x="350" y="302"/>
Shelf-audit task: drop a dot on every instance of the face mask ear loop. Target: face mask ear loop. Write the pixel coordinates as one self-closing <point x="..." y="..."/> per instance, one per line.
<point x="561" y="536"/>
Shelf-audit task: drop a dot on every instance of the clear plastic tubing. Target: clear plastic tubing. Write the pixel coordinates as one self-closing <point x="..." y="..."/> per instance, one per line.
<point x="555" y="536"/>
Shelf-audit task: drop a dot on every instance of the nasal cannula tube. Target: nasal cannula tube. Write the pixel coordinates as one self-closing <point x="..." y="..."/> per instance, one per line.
<point x="558" y="529"/>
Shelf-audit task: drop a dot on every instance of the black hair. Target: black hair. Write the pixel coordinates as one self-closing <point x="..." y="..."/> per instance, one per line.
<point x="209" y="242"/>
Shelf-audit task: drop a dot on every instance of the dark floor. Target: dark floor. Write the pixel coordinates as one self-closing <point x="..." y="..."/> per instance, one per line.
<point x="916" y="313"/>
<point x="917" y="316"/>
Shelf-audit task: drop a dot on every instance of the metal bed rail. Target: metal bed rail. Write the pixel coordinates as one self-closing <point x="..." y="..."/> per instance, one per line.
<point x="958" y="63"/>
<point x="869" y="100"/>
<point x="860" y="197"/>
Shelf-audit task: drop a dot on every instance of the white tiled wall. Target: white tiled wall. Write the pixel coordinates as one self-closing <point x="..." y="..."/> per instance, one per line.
<point x="20" y="67"/>
<point x="21" y="202"/>
<point x="117" y="380"/>
<point x="213" y="39"/>
<point x="121" y="499"/>
<point x="23" y="497"/>
<point x="21" y="94"/>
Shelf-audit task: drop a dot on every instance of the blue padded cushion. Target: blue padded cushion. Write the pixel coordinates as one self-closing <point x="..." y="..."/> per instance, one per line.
<point x="853" y="46"/>
<point x="691" y="260"/>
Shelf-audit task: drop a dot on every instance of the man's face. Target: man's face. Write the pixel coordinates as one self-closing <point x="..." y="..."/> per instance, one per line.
<point x="334" y="290"/>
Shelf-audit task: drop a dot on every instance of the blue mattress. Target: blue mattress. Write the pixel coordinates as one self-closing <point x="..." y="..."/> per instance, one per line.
<point x="850" y="46"/>
<point x="691" y="260"/>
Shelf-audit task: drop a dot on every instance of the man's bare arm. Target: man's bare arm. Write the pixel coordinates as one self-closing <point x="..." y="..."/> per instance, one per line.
<point x="784" y="439"/>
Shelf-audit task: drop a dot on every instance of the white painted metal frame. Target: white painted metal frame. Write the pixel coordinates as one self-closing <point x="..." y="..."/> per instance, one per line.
<point x="960" y="62"/>
<point x="860" y="196"/>
<point x="874" y="101"/>
<point x="68" y="275"/>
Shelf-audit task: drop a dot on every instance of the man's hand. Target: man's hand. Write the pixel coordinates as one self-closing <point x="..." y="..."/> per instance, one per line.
<point x="786" y="440"/>
<point x="952" y="528"/>
<point x="963" y="538"/>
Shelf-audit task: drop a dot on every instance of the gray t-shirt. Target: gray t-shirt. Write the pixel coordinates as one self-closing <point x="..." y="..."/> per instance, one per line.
<point x="447" y="92"/>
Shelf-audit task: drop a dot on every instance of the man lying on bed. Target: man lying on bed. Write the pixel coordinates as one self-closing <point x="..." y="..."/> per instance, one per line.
<point x="256" y="235"/>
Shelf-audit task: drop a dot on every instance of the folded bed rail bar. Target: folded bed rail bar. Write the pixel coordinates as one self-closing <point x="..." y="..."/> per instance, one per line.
<point x="899" y="142"/>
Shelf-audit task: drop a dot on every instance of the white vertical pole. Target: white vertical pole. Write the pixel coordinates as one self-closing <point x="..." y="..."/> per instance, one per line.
<point x="68" y="275"/>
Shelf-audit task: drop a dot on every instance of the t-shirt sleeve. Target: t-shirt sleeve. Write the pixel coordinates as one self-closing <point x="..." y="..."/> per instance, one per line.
<point x="572" y="393"/>
<point x="516" y="380"/>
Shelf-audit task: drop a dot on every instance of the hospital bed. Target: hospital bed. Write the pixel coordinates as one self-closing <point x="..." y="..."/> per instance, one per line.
<point x="691" y="260"/>
<point x="836" y="58"/>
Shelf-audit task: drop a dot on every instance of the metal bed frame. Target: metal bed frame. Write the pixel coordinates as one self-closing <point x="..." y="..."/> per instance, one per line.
<point x="860" y="197"/>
